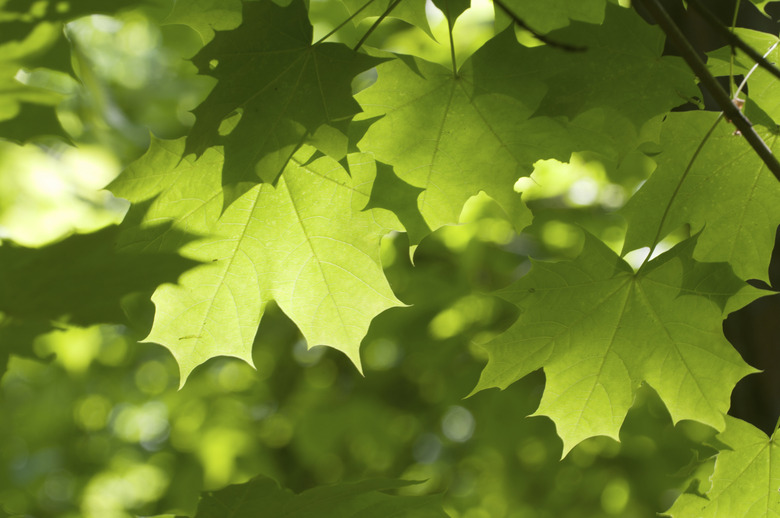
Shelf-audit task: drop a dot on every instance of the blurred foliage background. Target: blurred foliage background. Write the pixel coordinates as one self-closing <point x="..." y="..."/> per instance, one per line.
<point x="94" y="426"/>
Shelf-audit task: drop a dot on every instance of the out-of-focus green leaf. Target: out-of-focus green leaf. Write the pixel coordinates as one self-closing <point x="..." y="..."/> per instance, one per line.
<point x="81" y="279"/>
<point x="263" y="497"/>
<point x="31" y="37"/>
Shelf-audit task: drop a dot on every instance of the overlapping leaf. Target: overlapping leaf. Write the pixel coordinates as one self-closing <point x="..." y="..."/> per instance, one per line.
<point x="279" y="88"/>
<point x="599" y="330"/>
<point x="300" y="243"/>
<point x="552" y="14"/>
<point x="457" y="135"/>
<point x="422" y="134"/>
<point x="746" y="480"/>
<point x="31" y="37"/>
<point x="410" y="11"/>
<point x="263" y="497"/>
<point x="206" y="16"/>
<point x="81" y="279"/>
<point x="727" y="191"/>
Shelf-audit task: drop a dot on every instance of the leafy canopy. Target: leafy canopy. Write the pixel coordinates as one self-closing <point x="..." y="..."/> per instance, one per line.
<point x="305" y="154"/>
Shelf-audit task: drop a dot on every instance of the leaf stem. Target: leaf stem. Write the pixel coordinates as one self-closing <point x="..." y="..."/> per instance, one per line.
<point x="693" y="158"/>
<point x="731" y="55"/>
<point x="342" y="24"/>
<point x="376" y="24"/>
<point x="733" y="113"/>
<point x="657" y="238"/>
<point x="541" y="37"/>
<point x="733" y="39"/>
<point x="450" y="24"/>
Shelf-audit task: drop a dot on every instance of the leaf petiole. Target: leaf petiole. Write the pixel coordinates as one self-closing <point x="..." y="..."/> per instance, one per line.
<point x="342" y="24"/>
<point x="376" y="24"/>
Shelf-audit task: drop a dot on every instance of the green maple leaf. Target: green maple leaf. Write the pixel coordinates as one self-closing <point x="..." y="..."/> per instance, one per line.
<point x="206" y="16"/>
<point x="283" y="88"/>
<point x="262" y="496"/>
<point x="552" y="14"/>
<point x="728" y="192"/>
<point x="746" y="479"/>
<point x="81" y="279"/>
<point x="302" y="243"/>
<point x="599" y="330"/>
<point x="410" y="11"/>
<point x="426" y="109"/>
<point x="393" y="194"/>
<point x="621" y="69"/>
<point x="762" y="106"/>
<point x="452" y="9"/>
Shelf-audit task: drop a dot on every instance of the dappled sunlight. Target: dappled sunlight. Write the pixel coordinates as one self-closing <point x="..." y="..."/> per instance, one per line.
<point x="47" y="194"/>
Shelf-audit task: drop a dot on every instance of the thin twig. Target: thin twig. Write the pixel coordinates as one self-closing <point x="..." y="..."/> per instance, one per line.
<point x="342" y="24"/>
<point x="721" y="97"/>
<point x="731" y="54"/>
<point x="734" y="40"/>
<point x="750" y="73"/>
<point x="541" y="37"/>
<point x="376" y="23"/>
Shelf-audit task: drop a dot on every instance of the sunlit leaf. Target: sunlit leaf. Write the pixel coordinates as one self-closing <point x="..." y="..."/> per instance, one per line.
<point x="727" y="193"/>
<point x="299" y="243"/>
<point x="599" y="330"/>
<point x="746" y="480"/>
<point x="278" y="88"/>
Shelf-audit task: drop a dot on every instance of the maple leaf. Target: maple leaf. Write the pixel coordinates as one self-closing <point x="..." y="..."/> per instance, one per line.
<point x="498" y="94"/>
<point x="598" y="329"/>
<point x="425" y="109"/>
<point x="301" y="243"/>
<point x="81" y="279"/>
<point x="262" y="496"/>
<point x="737" y="213"/>
<point x="410" y="11"/>
<point x="622" y="69"/>
<point x="552" y="14"/>
<point x="746" y="479"/>
<point x="283" y="88"/>
<point x="206" y="16"/>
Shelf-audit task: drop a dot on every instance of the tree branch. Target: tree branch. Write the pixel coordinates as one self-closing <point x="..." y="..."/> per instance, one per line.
<point x="734" y="40"/>
<point x="541" y="37"/>
<point x="708" y="81"/>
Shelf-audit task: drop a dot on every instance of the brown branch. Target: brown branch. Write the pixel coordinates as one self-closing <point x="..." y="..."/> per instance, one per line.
<point x="708" y="81"/>
<point x="734" y="40"/>
<point x="541" y="37"/>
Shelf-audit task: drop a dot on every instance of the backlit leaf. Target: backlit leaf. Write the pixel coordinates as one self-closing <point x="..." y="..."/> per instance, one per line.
<point x="299" y="243"/>
<point x="728" y="194"/>
<point x="746" y="480"/>
<point x="275" y="89"/>
<point x="599" y="330"/>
